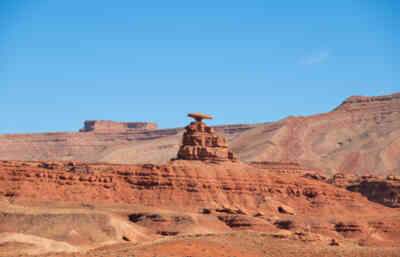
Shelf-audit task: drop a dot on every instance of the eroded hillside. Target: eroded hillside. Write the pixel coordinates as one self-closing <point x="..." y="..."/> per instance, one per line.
<point x="362" y="135"/>
<point x="186" y="207"/>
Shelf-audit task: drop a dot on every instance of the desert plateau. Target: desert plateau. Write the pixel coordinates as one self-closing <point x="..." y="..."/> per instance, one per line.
<point x="321" y="185"/>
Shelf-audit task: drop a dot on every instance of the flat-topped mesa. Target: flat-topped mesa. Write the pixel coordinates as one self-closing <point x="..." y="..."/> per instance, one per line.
<point x="109" y="126"/>
<point x="200" y="142"/>
<point x="381" y="103"/>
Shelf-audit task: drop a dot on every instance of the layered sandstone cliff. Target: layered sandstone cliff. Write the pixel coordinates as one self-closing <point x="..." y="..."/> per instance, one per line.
<point x="190" y="185"/>
<point x="232" y="194"/>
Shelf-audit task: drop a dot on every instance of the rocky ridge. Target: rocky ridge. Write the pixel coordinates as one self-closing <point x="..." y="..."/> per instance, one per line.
<point x="361" y="136"/>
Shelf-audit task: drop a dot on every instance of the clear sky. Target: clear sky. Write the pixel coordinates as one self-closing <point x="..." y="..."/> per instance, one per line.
<point x="63" y="62"/>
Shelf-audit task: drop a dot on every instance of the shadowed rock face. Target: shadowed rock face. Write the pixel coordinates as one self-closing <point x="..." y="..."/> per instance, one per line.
<point x="201" y="143"/>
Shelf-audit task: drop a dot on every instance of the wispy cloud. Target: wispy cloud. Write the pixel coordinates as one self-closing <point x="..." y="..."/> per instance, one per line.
<point x="315" y="58"/>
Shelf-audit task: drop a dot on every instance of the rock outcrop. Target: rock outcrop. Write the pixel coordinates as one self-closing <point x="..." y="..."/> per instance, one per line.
<point x="85" y="205"/>
<point x="231" y="187"/>
<point x="380" y="189"/>
<point x="386" y="192"/>
<point x="201" y="143"/>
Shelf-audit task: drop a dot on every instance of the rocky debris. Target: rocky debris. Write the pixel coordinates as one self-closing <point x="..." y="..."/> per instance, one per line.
<point x="244" y="222"/>
<point x="344" y="180"/>
<point x="259" y="214"/>
<point x="315" y="176"/>
<point x="201" y="143"/>
<point x="48" y="165"/>
<point x="206" y="211"/>
<point x="285" y="210"/>
<point x="334" y="242"/>
<point x="380" y="191"/>
<point x="300" y="235"/>
<point x="236" y="221"/>
<point x="284" y="224"/>
<point x="310" y="192"/>
<point x="126" y="238"/>
<point x="162" y="224"/>
<point x="229" y="210"/>
<point x="349" y="229"/>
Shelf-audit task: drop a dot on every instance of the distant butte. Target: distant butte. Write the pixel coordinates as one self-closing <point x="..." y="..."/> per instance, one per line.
<point x="107" y="126"/>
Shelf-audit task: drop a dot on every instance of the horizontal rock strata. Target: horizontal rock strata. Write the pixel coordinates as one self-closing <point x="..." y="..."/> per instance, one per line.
<point x="200" y="142"/>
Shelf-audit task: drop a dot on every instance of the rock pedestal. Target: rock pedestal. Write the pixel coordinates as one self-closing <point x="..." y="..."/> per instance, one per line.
<point x="201" y="143"/>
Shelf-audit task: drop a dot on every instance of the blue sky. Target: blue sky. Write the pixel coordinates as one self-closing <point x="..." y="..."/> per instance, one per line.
<point x="63" y="62"/>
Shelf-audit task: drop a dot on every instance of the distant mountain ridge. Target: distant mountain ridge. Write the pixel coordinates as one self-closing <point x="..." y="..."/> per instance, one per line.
<point x="362" y="135"/>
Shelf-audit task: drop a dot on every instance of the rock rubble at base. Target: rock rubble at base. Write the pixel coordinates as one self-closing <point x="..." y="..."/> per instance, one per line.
<point x="201" y="143"/>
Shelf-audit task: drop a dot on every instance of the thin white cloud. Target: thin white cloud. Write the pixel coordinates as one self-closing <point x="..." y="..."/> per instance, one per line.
<point x="316" y="58"/>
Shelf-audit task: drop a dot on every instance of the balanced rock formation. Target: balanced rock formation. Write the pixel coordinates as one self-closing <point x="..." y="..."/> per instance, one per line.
<point x="201" y="143"/>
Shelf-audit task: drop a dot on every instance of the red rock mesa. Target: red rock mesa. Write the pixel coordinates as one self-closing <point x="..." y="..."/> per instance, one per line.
<point x="106" y="126"/>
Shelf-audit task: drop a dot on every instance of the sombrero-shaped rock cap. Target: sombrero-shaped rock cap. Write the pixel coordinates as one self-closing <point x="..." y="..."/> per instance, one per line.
<point x="200" y="116"/>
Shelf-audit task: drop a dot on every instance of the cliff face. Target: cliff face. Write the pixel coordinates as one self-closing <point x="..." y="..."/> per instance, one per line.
<point x="388" y="103"/>
<point x="219" y="197"/>
<point x="362" y="135"/>
<point x="189" y="185"/>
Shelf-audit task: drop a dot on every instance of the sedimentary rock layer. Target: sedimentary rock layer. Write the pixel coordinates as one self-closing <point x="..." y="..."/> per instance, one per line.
<point x="199" y="142"/>
<point x="360" y="136"/>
